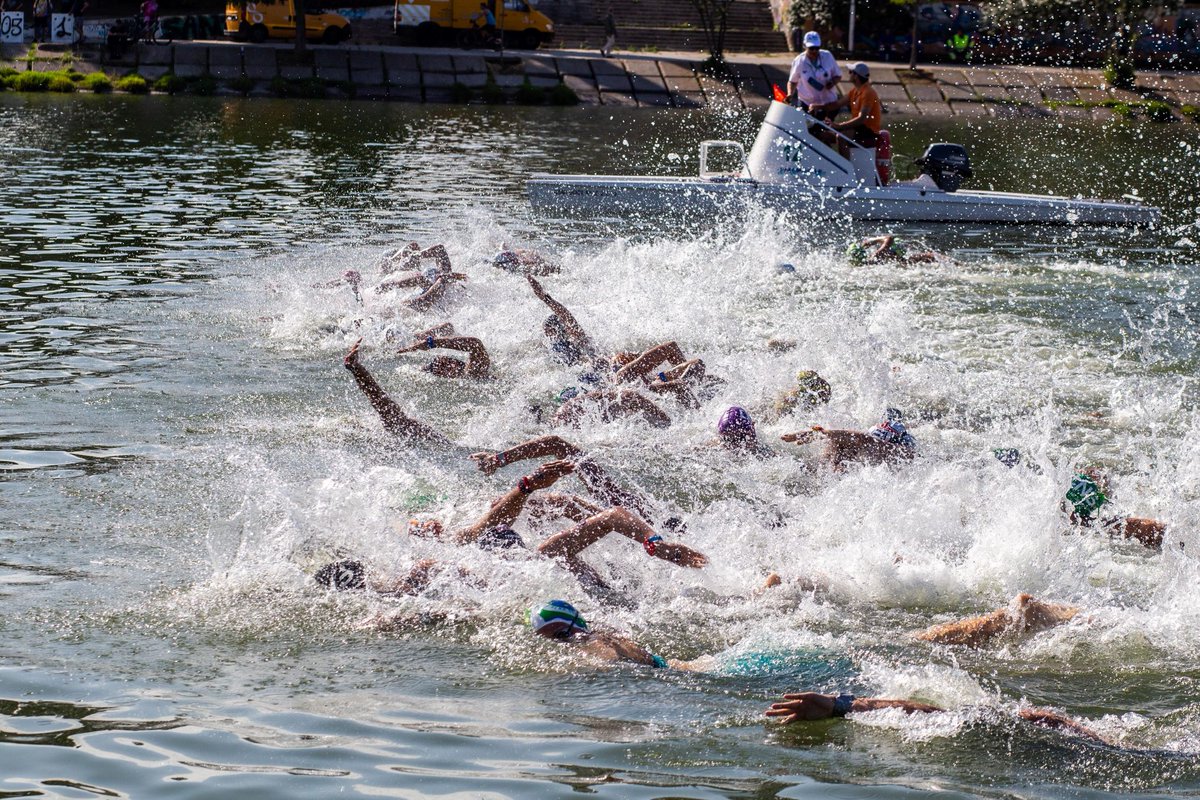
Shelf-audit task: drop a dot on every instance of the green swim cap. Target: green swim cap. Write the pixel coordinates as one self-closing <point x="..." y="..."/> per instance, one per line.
<point x="856" y="253"/>
<point x="1086" y="496"/>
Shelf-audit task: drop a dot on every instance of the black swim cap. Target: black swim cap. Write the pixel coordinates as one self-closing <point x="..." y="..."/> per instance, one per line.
<point x="500" y="537"/>
<point x="342" y="576"/>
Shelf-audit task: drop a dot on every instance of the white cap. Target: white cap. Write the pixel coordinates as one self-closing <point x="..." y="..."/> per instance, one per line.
<point x="812" y="39"/>
<point x="861" y="70"/>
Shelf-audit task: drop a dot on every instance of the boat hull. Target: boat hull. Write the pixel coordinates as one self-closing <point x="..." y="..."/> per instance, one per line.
<point x="608" y="195"/>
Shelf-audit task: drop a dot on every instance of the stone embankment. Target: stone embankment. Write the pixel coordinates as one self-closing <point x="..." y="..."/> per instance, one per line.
<point x="660" y="80"/>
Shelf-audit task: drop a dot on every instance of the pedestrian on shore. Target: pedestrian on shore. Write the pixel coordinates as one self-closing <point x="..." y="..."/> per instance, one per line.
<point x="610" y="35"/>
<point x="41" y="20"/>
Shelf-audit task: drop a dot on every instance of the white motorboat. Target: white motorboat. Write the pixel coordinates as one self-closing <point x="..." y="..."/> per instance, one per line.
<point x="790" y="169"/>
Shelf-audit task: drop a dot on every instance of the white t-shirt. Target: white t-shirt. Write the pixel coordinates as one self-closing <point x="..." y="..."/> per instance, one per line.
<point x="805" y="74"/>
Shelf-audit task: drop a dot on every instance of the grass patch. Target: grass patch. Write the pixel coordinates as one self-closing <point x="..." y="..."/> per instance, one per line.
<point x="31" y="82"/>
<point x="61" y="84"/>
<point x="1191" y="112"/>
<point x="134" y="84"/>
<point x="97" y="82"/>
<point x="170" y="83"/>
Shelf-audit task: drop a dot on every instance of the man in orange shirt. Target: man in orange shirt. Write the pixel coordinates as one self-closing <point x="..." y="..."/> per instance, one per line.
<point x="866" y="112"/>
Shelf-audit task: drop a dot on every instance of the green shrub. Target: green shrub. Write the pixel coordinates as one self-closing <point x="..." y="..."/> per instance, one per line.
<point x="491" y="93"/>
<point x="1158" y="111"/>
<point x="75" y="76"/>
<point x="242" y="84"/>
<point x="31" y="82"/>
<point x="8" y="72"/>
<point x="460" y="93"/>
<point x="1119" y="74"/>
<point x="98" y="82"/>
<point x="61" y="83"/>
<point x="530" y="95"/>
<point x="170" y="83"/>
<point x="563" y="95"/>
<point x="1191" y="112"/>
<point x="204" y="85"/>
<point x="134" y="84"/>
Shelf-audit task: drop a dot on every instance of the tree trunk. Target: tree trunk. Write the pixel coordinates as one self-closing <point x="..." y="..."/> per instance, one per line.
<point x="301" y="26"/>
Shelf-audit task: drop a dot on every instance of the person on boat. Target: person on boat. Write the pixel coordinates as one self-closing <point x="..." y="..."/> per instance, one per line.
<point x="395" y="421"/>
<point x="477" y="366"/>
<point x="887" y="442"/>
<point x="493" y="532"/>
<point x="1089" y="492"/>
<point x="812" y="706"/>
<point x="886" y="248"/>
<point x="866" y="112"/>
<point x="526" y="262"/>
<point x="813" y="79"/>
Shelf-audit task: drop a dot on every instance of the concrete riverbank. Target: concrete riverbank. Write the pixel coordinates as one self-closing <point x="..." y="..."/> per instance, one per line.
<point x="627" y="80"/>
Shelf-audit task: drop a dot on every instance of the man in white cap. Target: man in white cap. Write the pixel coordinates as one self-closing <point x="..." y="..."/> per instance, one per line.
<point x="814" y="77"/>
<point x="866" y="112"/>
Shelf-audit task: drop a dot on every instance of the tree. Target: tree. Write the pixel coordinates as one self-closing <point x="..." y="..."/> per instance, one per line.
<point x="714" y="19"/>
<point x="1114" y="18"/>
<point x="912" y="42"/>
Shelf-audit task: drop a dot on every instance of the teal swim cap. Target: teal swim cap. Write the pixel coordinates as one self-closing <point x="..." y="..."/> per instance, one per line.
<point x="1086" y="496"/>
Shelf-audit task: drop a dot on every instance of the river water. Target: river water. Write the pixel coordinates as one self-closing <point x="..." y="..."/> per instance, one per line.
<point x="182" y="448"/>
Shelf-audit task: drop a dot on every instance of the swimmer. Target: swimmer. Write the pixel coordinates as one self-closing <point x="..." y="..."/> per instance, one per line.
<point x="736" y="434"/>
<point x="611" y="405"/>
<point x="880" y="249"/>
<point x="1089" y="492"/>
<point x="560" y="621"/>
<point x="811" y="706"/>
<point x="410" y="257"/>
<point x="598" y="482"/>
<point x="395" y="421"/>
<point x="810" y="391"/>
<point x="493" y="532"/>
<point x="1024" y="617"/>
<point x="477" y="367"/>
<point x="526" y="262"/>
<point x="572" y="346"/>
<point x="887" y="442"/>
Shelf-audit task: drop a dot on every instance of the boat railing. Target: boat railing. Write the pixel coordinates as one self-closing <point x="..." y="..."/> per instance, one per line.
<point x="705" y="146"/>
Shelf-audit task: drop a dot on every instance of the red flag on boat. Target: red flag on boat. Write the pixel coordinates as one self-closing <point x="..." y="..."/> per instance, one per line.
<point x="778" y="94"/>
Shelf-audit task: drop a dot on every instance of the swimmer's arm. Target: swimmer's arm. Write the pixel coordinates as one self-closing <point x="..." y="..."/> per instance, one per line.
<point x="808" y="706"/>
<point x="416" y="581"/>
<point x="971" y="632"/>
<point x="568" y="320"/>
<point x="436" y="290"/>
<point x="551" y="505"/>
<point x="479" y="365"/>
<point x="403" y="283"/>
<point x="1046" y="718"/>
<point x="542" y="447"/>
<point x="506" y="510"/>
<point x="438" y="253"/>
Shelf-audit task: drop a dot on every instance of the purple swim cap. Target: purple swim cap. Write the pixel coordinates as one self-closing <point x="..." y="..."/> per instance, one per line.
<point x="736" y="420"/>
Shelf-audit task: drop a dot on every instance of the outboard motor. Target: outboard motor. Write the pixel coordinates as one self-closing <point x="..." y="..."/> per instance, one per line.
<point x="947" y="164"/>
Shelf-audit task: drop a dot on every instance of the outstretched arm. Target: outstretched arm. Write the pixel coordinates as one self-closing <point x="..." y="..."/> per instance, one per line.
<point x="508" y="507"/>
<point x="541" y="447"/>
<point x="807" y="706"/>
<point x="478" y="364"/>
<point x="613" y="404"/>
<point x="648" y="361"/>
<point x="549" y="505"/>
<point x="394" y="419"/>
<point x="573" y="541"/>
<point x="406" y="282"/>
<point x="572" y="326"/>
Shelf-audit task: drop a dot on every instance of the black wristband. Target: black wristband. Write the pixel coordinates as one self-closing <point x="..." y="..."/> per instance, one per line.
<point x="842" y="705"/>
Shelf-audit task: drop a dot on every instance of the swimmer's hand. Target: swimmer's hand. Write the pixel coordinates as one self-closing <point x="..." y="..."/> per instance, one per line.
<point x="546" y="475"/>
<point x="536" y="286"/>
<point x="350" y="360"/>
<point x="488" y="463"/>
<point x="680" y="554"/>
<point x="801" y="707"/>
<point x="802" y="437"/>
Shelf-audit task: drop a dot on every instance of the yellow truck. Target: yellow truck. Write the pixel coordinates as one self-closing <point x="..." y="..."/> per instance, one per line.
<point x="258" y="21"/>
<point x="442" y="21"/>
